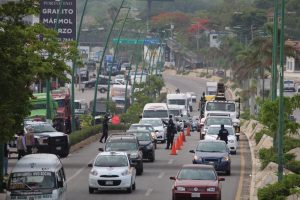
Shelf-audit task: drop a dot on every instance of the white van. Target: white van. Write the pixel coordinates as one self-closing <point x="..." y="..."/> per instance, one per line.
<point x="37" y="176"/>
<point x="180" y="100"/>
<point x="156" y="110"/>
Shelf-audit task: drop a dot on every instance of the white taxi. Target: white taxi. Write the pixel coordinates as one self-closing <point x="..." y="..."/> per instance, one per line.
<point x="112" y="171"/>
<point x="212" y="134"/>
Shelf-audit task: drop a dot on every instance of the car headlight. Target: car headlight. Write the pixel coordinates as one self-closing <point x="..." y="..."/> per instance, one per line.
<point x="226" y="158"/>
<point x="94" y="172"/>
<point x="43" y="140"/>
<point x="133" y="155"/>
<point x="197" y="158"/>
<point x="179" y="188"/>
<point x="211" y="189"/>
<point x="126" y="172"/>
<point x="231" y="141"/>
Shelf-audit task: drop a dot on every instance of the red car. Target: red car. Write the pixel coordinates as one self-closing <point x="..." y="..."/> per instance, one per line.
<point x="195" y="182"/>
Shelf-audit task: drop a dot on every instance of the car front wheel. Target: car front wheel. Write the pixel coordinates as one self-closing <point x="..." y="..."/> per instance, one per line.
<point x="91" y="190"/>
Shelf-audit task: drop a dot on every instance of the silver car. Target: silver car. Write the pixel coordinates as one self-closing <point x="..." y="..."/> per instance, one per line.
<point x="159" y="127"/>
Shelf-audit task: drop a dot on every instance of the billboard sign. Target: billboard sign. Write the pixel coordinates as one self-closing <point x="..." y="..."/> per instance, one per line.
<point x="66" y="20"/>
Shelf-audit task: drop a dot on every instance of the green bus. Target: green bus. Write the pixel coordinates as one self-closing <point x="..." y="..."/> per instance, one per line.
<point x="39" y="106"/>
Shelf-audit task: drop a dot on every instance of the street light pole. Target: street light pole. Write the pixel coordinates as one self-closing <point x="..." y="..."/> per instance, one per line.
<point x="274" y="51"/>
<point x="114" y="57"/>
<point x="74" y="70"/>
<point x="280" y="132"/>
<point x="101" y="61"/>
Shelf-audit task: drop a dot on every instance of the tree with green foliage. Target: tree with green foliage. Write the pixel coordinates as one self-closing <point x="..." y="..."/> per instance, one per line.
<point x="25" y="59"/>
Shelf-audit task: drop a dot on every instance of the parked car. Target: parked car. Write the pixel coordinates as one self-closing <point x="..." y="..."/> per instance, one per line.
<point x="126" y="143"/>
<point x="213" y="152"/>
<point x="146" y="142"/>
<point x="112" y="171"/>
<point x="47" y="139"/>
<point x="197" y="181"/>
<point x="159" y="127"/>
<point x="212" y="134"/>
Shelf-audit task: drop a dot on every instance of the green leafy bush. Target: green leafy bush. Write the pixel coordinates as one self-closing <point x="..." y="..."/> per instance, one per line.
<point x="268" y="155"/>
<point x="290" y="143"/>
<point x="279" y="190"/>
<point x="245" y="114"/>
<point x="294" y="166"/>
<point x="258" y="135"/>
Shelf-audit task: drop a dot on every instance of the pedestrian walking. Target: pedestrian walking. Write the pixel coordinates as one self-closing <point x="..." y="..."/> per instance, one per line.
<point x="29" y="141"/>
<point x="82" y="89"/>
<point x="21" y="145"/>
<point x="104" y="128"/>
<point x="5" y="159"/>
<point x="68" y="125"/>
<point x="223" y="134"/>
<point x="171" y="131"/>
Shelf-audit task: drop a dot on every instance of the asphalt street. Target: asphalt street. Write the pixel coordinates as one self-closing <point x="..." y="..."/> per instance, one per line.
<point x="154" y="183"/>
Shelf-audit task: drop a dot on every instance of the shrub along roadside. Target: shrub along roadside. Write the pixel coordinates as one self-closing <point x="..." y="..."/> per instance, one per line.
<point x="80" y="135"/>
<point x="259" y="134"/>
<point x="281" y="189"/>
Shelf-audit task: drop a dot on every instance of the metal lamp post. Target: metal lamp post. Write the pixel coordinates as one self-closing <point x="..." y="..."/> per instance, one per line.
<point x="280" y="132"/>
<point x="101" y="61"/>
<point x="114" y="57"/>
<point x="74" y="70"/>
<point x="274" y="51"/>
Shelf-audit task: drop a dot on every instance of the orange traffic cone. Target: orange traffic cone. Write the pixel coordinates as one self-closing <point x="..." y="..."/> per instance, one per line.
<point x="188" y="131"/>
<point x="173" y="149"/>
<point x="183" y="137"/>
<point x="178" y="146"/>
<point x="180" y="141"/>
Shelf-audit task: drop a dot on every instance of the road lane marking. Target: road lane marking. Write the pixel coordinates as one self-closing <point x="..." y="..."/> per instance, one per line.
<point x="242" y="173"/>
<point x="148" y="192"/>
<point x="78" y="172"/>
<point x="171" y="161"/>
<point x="161" y="175"/>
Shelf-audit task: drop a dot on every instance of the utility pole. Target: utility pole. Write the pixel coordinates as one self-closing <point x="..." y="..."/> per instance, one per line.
<point x="101" y="61"/>
<point x="74" y="70"/>
<point x="280" y="132"/>
<point x="274" y="52"/>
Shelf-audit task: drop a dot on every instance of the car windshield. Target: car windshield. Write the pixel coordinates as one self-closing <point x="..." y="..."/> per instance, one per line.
<point x="211" y="147"/>
<point x="143" y="136"/>
<point x="141" y="127"/>
<point x="220" y="106"/>
<point x="32" y="180"/>
<point x="40" y="128"/>
<point x="152" y="122"/>
<point x="37" y="106"/>
<point x="218" y="121"/>
<point x="120" y="146"/>
<point x="215" y="130"/>
<point x="174" y="112"/>
<point x="111" y="161"/>
<point x="177" y="101"/>
<point x="155" y="114"/>
<point x="196" y="174"/>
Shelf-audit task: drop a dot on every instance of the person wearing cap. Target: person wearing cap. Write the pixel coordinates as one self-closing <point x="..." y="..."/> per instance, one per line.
<point x="104" y="128"/>
<point x="171" y="130"/>
<point x="223" y="134"/>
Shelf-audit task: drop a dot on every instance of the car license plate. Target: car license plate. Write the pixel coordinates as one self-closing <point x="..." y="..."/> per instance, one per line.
<point x="211" y="163"/>
<point x="195" y="195"/>
<point x="109" y="183"/>
<point x="58" y="148"/>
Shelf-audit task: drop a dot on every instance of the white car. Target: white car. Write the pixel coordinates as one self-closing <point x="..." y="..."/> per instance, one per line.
<point x="112" y="171"/>
<point x="158" y="125"/>
<point x="212" y="134"/>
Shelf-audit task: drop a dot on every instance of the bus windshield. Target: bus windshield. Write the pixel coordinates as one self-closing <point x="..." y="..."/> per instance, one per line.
<point x="155" y="114"/>
<point x="220" y="106"/>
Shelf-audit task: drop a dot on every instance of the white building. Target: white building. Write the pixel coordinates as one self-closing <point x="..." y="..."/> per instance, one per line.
<point x="293" y="62"/>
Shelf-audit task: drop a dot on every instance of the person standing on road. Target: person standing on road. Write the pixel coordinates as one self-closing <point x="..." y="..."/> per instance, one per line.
<point x="29" y="141"/>
<point x="21" y="145"/>
<point x="104" y="128"/>
<point x="223" y="134"/>
<point x="5" y="159"/>
<point x="171" y="130"/>
<point x="68" y="125"/>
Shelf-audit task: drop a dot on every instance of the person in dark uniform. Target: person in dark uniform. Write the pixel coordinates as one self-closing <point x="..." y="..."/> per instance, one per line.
<point x="104" y="128"/>
<point x="68" y="125"/>
<point x="171" y="130"/>
<point x="223" y="134"/>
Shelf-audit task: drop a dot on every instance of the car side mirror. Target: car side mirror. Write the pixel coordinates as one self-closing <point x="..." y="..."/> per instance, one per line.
<point x="192" y="151"/>
<point x="101" y="149"/>
<point x="60" y="184"/>
<point x="90" y="165"/>
<point x="172" y="178"/>
<point x="221" y="179"/>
